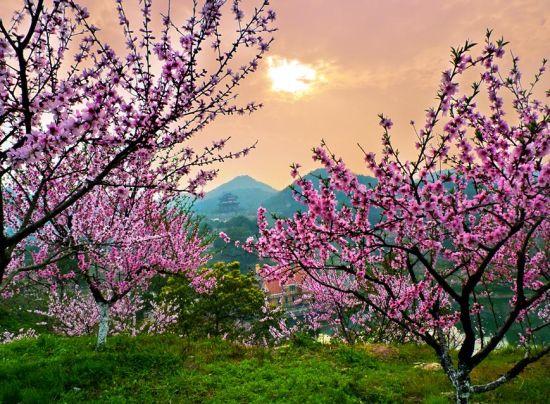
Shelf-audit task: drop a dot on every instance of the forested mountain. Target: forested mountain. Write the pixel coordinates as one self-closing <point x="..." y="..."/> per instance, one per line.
<point x="248" y="192"/>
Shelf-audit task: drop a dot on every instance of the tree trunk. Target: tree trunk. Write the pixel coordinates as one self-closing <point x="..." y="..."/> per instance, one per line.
<point x="103" y="324"/>
<point x="460" y="378"/>
<point x="463" y="394"/>
<point x="343" y="327"/>
<point x="4" y="262"/>
<point x="463" y="389"/>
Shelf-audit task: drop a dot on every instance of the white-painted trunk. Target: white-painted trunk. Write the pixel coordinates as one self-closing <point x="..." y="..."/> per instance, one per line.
<point x="103" y="323"/>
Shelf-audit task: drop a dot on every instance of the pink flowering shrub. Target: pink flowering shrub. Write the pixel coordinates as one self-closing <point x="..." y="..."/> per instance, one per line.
<point x="345" y="317"/>
<point x="76" y="313"/>
<point x="427" y="247"/>
<point x="6" y="337"/>
<point x="121" y="242"/>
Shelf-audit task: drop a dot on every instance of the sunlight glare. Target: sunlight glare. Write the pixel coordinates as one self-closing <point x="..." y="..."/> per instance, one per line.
<point x="290" y="76"/>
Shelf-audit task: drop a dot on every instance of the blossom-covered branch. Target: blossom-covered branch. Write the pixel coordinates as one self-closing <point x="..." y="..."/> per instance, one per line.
<point x="75" y="114"/>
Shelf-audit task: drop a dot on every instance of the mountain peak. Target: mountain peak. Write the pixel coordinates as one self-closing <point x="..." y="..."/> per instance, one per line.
<point x="243" y="182"/>
<point x="242" y="178"/>
<point x="248" y="192"/>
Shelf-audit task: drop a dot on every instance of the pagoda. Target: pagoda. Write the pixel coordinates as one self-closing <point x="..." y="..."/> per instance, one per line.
<point x="228" y="203"/>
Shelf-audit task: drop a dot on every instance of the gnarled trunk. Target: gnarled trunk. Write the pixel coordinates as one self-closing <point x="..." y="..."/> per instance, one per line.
<point x="463" y="392"/>
<point x="103" y="323"/>
<point x="460" y="378"/>
<point x="463" y="386"/>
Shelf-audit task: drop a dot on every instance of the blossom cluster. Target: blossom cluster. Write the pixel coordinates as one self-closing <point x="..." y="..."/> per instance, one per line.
<point x="6" y="337"/>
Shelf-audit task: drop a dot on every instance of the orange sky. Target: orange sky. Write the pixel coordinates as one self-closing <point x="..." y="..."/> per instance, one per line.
<point x="373" y="55"/>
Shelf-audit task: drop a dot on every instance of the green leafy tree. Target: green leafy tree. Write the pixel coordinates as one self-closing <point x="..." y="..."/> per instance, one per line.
<point x="230" y="309"/>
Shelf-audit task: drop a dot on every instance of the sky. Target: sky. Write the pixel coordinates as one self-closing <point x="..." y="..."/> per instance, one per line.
<point x="335" y="65"/>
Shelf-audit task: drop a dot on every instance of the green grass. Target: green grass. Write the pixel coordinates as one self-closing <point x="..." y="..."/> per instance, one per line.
<point x="170" y="369"/>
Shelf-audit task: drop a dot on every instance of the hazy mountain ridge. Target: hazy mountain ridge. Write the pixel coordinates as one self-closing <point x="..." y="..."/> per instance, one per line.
<point x="249" y="192"/>
<point x="252" y="194"/>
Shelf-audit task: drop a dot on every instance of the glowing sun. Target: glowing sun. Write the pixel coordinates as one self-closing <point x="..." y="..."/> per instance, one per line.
<point x="290" y="76"/>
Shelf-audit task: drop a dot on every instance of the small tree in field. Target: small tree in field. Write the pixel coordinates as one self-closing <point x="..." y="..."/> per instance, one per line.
<point x="464" y="220"/>
<point x="123" y="239"/>
<point x="76" y="115"/>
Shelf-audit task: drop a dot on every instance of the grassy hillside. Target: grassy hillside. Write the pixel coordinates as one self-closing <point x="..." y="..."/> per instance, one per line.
<point x="169" y="369"/>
